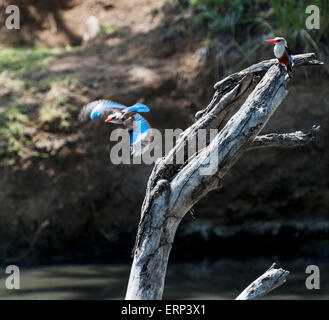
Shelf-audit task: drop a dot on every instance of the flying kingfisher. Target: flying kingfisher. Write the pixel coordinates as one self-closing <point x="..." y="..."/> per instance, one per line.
<point x="282" y="53"/>
<point x="138" y="128"/>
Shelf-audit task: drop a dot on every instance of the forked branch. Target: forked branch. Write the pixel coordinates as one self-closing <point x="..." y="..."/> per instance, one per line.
<point x="174" y="188"/>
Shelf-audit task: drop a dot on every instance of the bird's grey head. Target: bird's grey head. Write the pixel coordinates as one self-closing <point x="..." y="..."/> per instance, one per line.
<point x="280" y="45"/>
<point x="115" y="117"/>
<point x="281" y="41"/>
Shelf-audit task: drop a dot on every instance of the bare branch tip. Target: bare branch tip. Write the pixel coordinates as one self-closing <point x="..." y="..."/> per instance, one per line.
<point x="315" y="129"/>
<point x="272" y="266"/>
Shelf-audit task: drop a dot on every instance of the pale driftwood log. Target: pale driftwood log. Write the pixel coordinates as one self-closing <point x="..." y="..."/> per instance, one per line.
<point x="173" y="188"/>
<point x="271" y="279"/>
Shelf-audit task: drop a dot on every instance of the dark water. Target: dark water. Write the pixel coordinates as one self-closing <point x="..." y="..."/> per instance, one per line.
<point x="222" y="279"/>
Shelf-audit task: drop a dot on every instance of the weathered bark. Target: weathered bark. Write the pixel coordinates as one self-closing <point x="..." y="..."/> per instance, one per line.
<point x="284" y="140"/>
<point x="173" y="188"/>
<point x="267" y="282"/>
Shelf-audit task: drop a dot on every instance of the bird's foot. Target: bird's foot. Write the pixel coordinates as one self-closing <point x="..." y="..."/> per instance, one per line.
<point x="280" y="64"/>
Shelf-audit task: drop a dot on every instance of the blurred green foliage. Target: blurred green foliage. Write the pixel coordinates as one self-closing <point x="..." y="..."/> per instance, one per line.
<point x="25" y="60"/>
<point x="221" y="15"/>
<point x="106" y="30"/>
<point x="23" y="72"/>
<point x="12" y="132"/>
<point x="279" y="17"/>
<point x="289" y="21"/>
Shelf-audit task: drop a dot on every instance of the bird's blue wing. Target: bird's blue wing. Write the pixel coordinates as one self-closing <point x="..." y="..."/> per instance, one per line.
<point x="98" y="109"/>
<point x="138" y="107"/>
<point x="290" y="57"/>
<point x="140" y="135"/>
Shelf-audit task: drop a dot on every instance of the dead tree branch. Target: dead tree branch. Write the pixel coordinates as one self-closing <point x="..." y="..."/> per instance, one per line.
<point x="285" y="140"/>
<point x="267" y="282"/>
<point x="173" y="188"/>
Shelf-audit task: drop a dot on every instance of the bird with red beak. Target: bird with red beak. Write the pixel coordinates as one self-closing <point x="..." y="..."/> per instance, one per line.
<point x="139" y="129"/>
<point x="282" y="53"/>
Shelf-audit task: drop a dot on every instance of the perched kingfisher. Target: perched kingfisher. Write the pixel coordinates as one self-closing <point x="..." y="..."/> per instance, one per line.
<point x="138" y="128"/>
<point x="282" y="53"/>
